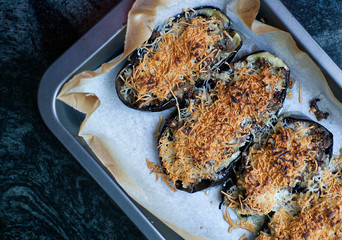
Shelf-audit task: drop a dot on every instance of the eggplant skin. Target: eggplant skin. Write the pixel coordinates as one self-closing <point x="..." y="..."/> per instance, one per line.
<point x="171" y="126"/>
<point x="326" y="141"/>
<point x="229" y="44"/>
<point x="325" y="144"/>
<point x="233" y="94"/>
<point x="321" y="142"/>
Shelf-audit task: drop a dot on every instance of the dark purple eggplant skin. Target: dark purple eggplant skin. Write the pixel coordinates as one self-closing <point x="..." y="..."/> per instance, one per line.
<point x="327" y="138"/>
<point x="133" y="59"/>
<point x="226" y="66"/>
<point x="152" y="108"/>
<point x="172" y="124"/>
<point x="227" y="176"/>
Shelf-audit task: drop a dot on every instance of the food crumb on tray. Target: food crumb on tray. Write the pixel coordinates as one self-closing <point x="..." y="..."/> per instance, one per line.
<point x="320" y="115"/>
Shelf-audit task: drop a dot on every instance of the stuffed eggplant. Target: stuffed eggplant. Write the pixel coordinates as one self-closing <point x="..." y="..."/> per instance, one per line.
<point x="200" y="144"/>
<point x="164" y="70"/>
<point x="277" y="172"/>
<point x="317" y="215"/>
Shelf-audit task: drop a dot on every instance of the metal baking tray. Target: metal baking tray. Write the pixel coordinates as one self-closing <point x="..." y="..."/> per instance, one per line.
<point x="103" y="42"/>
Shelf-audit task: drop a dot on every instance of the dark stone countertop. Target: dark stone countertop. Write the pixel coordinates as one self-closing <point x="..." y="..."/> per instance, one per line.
<point x="44" y="192"/>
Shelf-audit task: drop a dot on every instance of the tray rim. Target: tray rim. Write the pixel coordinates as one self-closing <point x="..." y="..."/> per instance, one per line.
<point x="87" y="47"/>
<point x="53" y="79"/>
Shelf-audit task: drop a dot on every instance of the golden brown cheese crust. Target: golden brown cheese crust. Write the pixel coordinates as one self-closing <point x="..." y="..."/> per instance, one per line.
<point x="212" y="134"/>
<point x="287" y="178"/>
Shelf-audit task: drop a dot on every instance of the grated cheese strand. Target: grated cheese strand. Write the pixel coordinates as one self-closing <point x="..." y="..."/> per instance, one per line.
<point x="177" y="57"/>
<point x="212" y="136"/>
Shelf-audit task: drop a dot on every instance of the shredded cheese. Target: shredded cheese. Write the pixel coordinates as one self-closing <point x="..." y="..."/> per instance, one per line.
<point x="183" y="51"/>
<point x="243" y="237"/>
<point x="211" y="137"/>
<point x="159" y="173"/>
<point x="288" y="155"/>
<point x="320" y="216"/>
<point x="245" y="225"/>
<point x="288" y="159"/>
<point x="156" y="134"/>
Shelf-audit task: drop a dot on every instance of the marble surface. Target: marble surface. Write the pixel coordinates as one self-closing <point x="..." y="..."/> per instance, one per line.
<point x="323" y="20"/>
<point x="44" y="192"/>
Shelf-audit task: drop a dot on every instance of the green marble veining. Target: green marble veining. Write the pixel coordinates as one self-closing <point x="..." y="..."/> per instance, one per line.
<point x="323" y="20"/>
<point x="44" y="192"/>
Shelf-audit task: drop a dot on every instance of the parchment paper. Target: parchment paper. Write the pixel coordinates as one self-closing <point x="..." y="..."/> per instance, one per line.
<point x="122" y="138"/>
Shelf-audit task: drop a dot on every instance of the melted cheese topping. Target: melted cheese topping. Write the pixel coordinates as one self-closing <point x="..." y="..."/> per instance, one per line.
<point x="290" y="159"/>
<point x="320" y="216"/>
<point x="279" y="165"/>
<point x="176" y="57"/>
<point x="159" y="173"/>
<point x="244" y="225"/>
<point x="211" y="136"/>
<point x="337" y="161"/>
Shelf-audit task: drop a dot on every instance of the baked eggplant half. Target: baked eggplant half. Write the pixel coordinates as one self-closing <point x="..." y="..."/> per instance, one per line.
<point x="200" y="145"/>
<point x="277" y="171"/>
<point x="164" y="70"/>
<point x="252" y="78"/>
<point x="317" y="214"/>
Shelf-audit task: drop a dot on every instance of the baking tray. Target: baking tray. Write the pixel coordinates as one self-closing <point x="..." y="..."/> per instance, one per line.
<point x="105" y="41"/>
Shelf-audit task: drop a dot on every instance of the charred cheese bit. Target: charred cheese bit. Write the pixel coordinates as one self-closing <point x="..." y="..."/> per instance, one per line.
<point x="278" y="165"/>
<point x="156" y="134"/>
<point x="320" y="216"/>
<point x="209" y="139"/>
<point x="178" y="56"/>
<point x="289" y="95"/>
